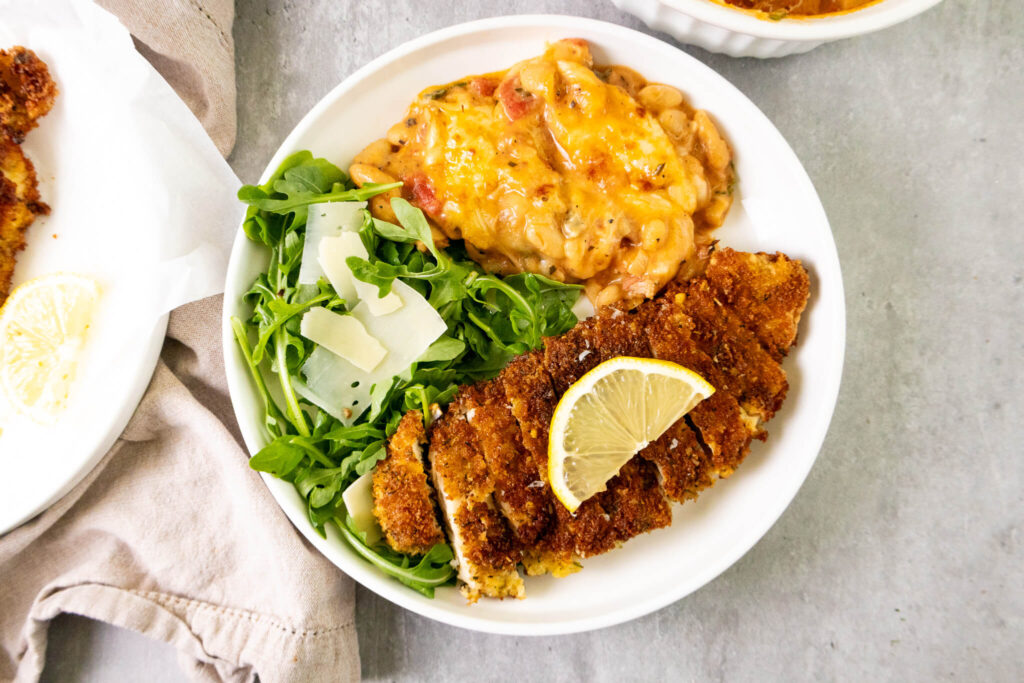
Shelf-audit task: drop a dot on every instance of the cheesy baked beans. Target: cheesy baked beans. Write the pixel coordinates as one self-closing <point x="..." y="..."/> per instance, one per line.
<point x="581" y="173"/>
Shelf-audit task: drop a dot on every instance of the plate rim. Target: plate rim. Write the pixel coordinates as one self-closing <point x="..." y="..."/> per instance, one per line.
<point x="133" y="397"/>
<point x="237" y="376"/>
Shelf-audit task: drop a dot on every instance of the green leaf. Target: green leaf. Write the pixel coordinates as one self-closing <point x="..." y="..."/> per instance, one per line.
<point x="304" y="199"/>
<point x="279" y="458"/>
<point x="414" y="222"/>
<point x="371" y="456"/>
<point x="445" y="348"/>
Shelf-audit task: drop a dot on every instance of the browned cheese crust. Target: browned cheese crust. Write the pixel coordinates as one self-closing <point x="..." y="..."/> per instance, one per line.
<point x="403" y="500"/>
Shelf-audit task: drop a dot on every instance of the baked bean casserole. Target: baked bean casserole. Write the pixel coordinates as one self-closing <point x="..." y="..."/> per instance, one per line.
<point x="582" y="173"/>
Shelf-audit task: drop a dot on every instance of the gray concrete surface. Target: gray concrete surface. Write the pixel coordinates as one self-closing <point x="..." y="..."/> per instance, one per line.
<point x="901" y="558"/>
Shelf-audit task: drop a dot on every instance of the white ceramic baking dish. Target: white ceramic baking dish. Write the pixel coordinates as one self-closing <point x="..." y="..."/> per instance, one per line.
<point x="741" y="33"/>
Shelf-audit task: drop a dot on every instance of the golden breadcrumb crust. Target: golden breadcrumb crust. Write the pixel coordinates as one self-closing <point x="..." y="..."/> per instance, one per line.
<point x="26" y="93"/>
<point x="489" y="450"/>
<point x="403" y="501"/>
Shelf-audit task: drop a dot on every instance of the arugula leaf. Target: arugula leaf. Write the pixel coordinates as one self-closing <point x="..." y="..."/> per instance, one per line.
<point x="445" y="348"/>
<point x="297" y="202"/>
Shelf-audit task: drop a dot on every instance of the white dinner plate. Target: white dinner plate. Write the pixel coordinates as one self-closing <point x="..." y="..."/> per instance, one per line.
<point x="136" y="189"/>
<point x="779" y="210"/>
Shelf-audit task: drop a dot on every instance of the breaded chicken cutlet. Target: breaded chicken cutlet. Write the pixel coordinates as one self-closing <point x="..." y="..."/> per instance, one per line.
<point x="487" y="453"/>
<point x="403" y="500"/>
<point x="26" y="93"/>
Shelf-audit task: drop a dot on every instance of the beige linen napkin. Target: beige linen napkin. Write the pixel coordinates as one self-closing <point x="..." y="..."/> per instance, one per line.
<point x="189" y="42"/>
<point x="172" y="535"/>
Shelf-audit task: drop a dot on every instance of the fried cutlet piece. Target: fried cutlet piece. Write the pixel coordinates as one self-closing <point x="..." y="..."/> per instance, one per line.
<point x="607" y="520"/>
<point x="767" y="291"/>
<point x="683" y="466"/>
<point x="519" y="492"/>
<point x="403" y="501"/>
<point x="26" y="91"/>
<point x="745" y="369"/>
<point x="532" y="402"/>
<point x="721" y="426"/>
<point x="483" y="545"/>
<point x="619" y="332"/>
<point x="532" y="398"/>
<point x="19" y="206"/>
<point x="634" y="500"/>
<point x="569" y="356"/>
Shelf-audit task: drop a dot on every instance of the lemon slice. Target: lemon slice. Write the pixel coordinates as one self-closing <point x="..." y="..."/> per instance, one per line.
<point x="609" y="415"/>
<point x="43" y="326"/>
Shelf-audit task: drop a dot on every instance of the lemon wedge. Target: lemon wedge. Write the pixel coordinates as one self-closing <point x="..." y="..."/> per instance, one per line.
<point x="43" y="326"/>
<point x="609" y="415"/>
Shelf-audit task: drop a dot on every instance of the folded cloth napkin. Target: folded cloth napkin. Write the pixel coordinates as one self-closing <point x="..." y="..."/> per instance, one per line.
<point x="189" y="42"/>
<point x="172" y="535"/>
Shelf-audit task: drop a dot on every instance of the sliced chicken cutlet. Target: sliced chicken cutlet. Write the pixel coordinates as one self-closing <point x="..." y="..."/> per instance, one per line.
<point x="520" y="493"/>
<point x="683" y="467"/>
<point x="489" y="452"/>
<point x="767" y="291"/>
<point x="721" y="427"/>
<point x="569" y="356"/>
<point x="633" y="502"/>
<point x="745" y="369"/>
<point x="26" y="91"/>
<point x="403" y="501"/>
<point x="680" y="461"/>
<point x="483" y="544"/>
<point x="19" y="206"/>
<point x="532" y="399"/>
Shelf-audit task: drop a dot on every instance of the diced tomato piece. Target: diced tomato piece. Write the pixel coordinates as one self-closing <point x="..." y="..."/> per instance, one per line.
<point x="483" y="86"/>
<point x="515" y="100"/>
<point x="422" y="194"/>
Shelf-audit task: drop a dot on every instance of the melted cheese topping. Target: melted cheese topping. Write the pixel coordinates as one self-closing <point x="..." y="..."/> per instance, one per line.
<point x="556" y="168"/>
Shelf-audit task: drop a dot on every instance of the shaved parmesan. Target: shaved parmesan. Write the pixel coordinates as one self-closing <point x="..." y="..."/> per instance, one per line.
<point x="326" y="220"/>
<point x="333" y="252"/>
<point x="358" y="498"/>
<point x="341" y="388"/>
<point x="343" y="335"/>
<point x="371" y="297"/>
<point x="583" y="309"/>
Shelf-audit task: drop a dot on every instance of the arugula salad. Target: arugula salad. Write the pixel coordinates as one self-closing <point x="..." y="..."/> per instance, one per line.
<point x="489" y="320"/>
